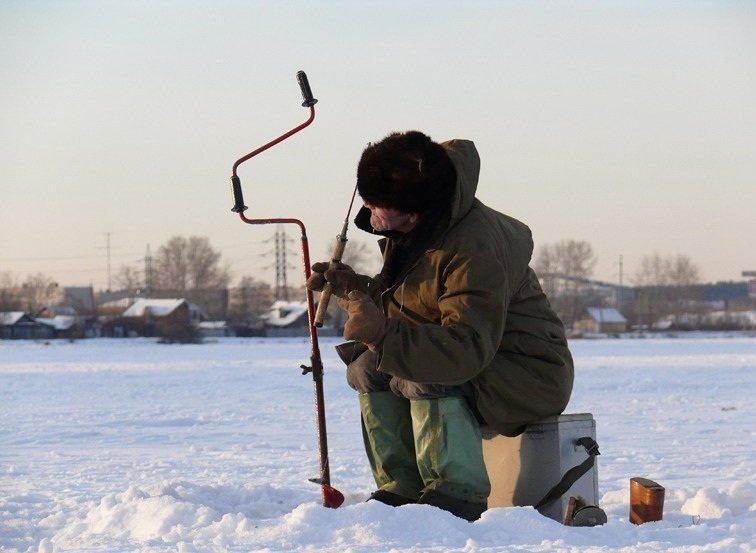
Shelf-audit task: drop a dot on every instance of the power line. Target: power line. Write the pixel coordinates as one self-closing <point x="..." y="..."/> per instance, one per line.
<point x="61" y="257"/>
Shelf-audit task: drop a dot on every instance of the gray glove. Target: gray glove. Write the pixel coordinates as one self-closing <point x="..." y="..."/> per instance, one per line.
<point x="343" y="280"/>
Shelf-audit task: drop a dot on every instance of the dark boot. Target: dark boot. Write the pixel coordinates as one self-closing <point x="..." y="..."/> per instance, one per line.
<point x="458" y="507"/>
<point x="391" y="499"/>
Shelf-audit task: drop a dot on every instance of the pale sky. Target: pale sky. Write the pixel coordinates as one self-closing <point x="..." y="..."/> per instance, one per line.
<point x="630" y="125"/>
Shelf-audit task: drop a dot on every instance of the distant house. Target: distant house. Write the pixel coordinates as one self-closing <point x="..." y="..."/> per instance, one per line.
<point x="66" y="322"/>
<point x="605" y="320"/>
<point x="290" y="318"/>
<point x="287" y="314"/>
<point x="155" y="317"/>
<point x="63" y="326"/>
<point x="286" y="318"/>
<point x="145" y="307"/>
<point x="81" y="298"/>
<point x="115" y="307"/>
<point x="50" y="311"/>
<point x="17" y="325"/>
<point x="215" y="329"/>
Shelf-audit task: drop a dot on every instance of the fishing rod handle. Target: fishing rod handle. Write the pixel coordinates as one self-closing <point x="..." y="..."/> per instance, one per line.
<point x="323" y="300"/>
<point x="325" y="295"/>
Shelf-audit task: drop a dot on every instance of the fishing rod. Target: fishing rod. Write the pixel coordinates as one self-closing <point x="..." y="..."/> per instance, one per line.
<point x="331" y="496"/>
<point x="336" y="255"/>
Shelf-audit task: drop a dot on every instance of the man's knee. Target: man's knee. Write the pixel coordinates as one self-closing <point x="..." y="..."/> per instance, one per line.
<point x="416" y="390"/>
<point x="362" y="374"/>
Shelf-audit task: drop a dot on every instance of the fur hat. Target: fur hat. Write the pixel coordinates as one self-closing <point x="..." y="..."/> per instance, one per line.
<point x="406" y="171"/>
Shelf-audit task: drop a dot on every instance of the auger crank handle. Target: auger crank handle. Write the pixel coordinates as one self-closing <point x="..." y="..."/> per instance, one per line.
<point x="309" y="102"/>
<point x="304" y="86"/>
<point x="236" y="190"/>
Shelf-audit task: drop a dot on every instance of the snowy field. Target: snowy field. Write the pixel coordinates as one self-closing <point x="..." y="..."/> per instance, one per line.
<point x="129" y="445"/>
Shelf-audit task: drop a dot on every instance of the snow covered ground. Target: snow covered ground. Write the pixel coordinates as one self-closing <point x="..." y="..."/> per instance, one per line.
<point x="129" y="445"/>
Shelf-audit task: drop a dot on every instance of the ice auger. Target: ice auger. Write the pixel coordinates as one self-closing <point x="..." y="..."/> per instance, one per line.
<point x="331" y="496"/>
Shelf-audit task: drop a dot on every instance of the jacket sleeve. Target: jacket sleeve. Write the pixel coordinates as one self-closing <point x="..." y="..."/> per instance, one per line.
<point x="450" y="330"/>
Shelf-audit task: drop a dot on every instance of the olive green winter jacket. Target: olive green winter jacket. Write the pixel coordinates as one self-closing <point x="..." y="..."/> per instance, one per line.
<point x="471" y="309"/>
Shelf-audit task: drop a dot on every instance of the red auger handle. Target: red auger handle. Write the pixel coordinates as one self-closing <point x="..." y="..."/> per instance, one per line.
<point x="309" y="102"/>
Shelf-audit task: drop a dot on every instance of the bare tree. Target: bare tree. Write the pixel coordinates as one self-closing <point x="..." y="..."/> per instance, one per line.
<point x="573" y="259"/>
<point x="650" y="280"/>
<point x="576" y="258"/>
<point x="652" y="272"/>
<point x="683" y="275"/>
<point x="128" y="278"/>
<point x="38" y="291"/>
<point x="9" y="297"/>
<point x="250" y="299"/>
<point x="682" y="272"/>
<point x="547" y="267"/>
<point x="564" y="267"/>
<point x="665" y="285"/>
<point x="185" y="264"/>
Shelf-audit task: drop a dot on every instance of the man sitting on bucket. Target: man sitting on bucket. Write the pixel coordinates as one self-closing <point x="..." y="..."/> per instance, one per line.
<point x="454" y="332"/>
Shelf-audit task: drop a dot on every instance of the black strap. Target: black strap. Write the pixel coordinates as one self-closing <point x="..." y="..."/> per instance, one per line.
<point x="572" y="475"/>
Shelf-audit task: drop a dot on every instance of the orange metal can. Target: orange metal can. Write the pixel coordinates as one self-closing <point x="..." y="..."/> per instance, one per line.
<point x="646" y="500"/>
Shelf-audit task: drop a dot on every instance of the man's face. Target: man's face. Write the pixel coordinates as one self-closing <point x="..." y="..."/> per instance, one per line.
<point x="386" y="218"/>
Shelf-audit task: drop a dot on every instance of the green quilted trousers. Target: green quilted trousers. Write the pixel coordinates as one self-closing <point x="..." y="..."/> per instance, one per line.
<point x="449" y="449"/>
<point x="387" y="433"/>
<point x="424" y="445"/>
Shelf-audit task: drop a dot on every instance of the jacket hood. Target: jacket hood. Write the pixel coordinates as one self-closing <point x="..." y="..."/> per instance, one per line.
<point x="466" y="161"/>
